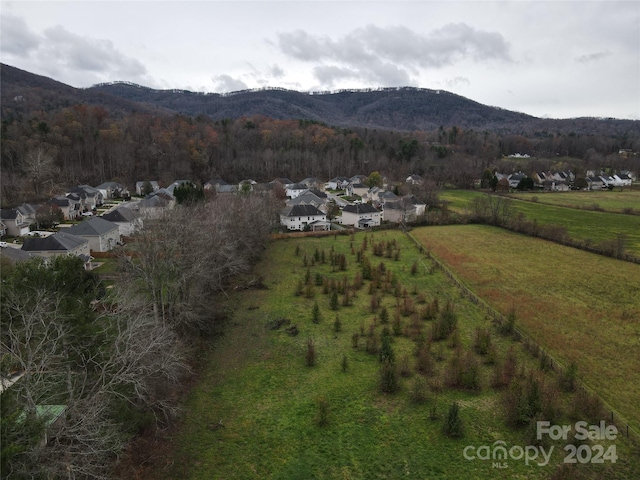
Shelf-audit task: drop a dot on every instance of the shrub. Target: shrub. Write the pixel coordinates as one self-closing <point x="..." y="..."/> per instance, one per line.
<point x="405" y="369"/>
<point x="419" y="390"/>
<point x="316" y="316"/>
<point x="355" y="338"/>
<point x="388" y="377"/>
<point x="311" y="353"/>
<point x="482" y="341"/>
<point x="337" y="324"/>
<point x="567" y="380"/>
<point x="345" y="363"/>
<point x="453" y="426"/>
<point x="333" y="301"/>
<point x="323" y="412"/>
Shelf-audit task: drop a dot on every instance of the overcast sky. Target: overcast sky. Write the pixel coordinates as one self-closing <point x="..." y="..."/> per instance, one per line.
<point x="556" y="59"/>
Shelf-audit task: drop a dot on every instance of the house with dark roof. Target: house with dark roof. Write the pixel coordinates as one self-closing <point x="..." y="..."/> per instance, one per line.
<point x="128" y="220"/>
<point x="361" y="215"/>
<point x="102" y="234"/>
<point x="90" y="197"/>
<point x="18" y="220"/>
<point x="14" y="255"/>
<point x="70" y="205"/>
<point x="312" y="182"/>
<point x="61" y="243"/>
<point x="359" y="189"/>
<point x="302" y="217"/>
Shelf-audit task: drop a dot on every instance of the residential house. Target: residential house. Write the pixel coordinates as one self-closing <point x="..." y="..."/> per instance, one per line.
<point x="283" y="181"/>
<point x="3" y="229"/>
<point x="515" y="179"/>
<point x="338" y="183"/>
<point x="246" y="186"/>
<point x="70" y="205"/>
<point x="154" y="205"/>
<point x="141" y="186"/>
<point x="226" y="189"/>
<point x="406" y="209"/>
<point x="175" y="184"/>
<point x="386" y="196"/>
<point x="14" y="255"/>
<point x="61" y="243"/>
<point x="214" y="184"/>
<point x="414" y="179"/>
<point x="295" y="189"/>
<point x="373" y="194"/>
<point x="111" y="190"/>
<point x="622" y="180"/>
<point x="595" y="183"/>
<point x="361" y="215"/>
<point x="102" y="234"/>
<point x="90" y="197"/>
<point x="312" y="182"/>
<point x="309" y="198"/>
<point x="359" y="189"/>
<point x="359" y="179"/>
<point x="128" y="220"/>
<point x="16" y="222"/>
<point x="303" y="217"/>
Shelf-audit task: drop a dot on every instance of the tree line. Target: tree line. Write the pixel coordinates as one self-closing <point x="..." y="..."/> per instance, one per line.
<point x="113" y="359"/>
<point x="45" y="152"/>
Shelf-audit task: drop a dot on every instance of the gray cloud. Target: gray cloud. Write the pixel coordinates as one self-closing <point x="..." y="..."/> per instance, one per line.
<point x="276" y="71"/>
<point x="399" y="45"/>
<point x="92" y="55"/>
<point x="592" y="57"/>
<point x="225" y="83"/>
<point x="15" y="36"/>
<point x="391" y="55"/>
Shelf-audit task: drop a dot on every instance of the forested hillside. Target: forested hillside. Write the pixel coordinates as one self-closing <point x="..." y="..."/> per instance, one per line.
<point x="54" y="136"/>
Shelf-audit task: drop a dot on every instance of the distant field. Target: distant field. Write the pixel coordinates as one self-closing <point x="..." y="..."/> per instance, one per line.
<point x="584" y="225"/>
<point x="253" y="414"/>
<point x="582" y="307"/>
<point x="615" y="201"/>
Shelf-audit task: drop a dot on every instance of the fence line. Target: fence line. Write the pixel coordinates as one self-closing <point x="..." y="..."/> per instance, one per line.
<point x="557" y="366"/>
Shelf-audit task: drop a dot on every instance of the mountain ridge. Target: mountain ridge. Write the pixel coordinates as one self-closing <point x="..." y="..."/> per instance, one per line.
<point x="395" y="108"/>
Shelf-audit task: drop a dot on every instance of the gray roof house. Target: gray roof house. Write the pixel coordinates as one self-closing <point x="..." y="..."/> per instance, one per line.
<point x="113" y="190"/>
<point x="102" y="234"/>
<point x="62" y="243"/>
<point x="128" y="220"/>
<point x="361" y="215"/>
<point x="301" y="217"/>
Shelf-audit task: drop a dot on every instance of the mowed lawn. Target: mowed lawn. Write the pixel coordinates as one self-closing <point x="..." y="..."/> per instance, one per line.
<point x="584" y="225"/>
<point x="582" y="307"/>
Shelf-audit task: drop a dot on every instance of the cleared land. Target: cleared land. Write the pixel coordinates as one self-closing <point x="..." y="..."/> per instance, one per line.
<point x="583" y="308"/>
<point x="615" y="201"/>
<point x="254" y="413"/>
<point x="588" y="226"/>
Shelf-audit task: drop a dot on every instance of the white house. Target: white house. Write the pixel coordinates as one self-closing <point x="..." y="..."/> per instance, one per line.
<point x="295" y="189"/>
<point x="361" y="215"/>
<point x="301" y="217"/>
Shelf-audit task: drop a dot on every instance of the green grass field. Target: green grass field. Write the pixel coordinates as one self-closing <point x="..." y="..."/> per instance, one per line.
<point x="593" y="227"/>
<point x="615" y="201"/>
<point x="254" y="412"/>
<point x="583" y="307"/>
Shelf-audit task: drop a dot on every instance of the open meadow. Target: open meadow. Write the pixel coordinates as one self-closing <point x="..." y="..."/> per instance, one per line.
<point x="615" y="201"/>
<point x="589" y="226"/>
<point x="582" y="307"/>
<point x="342" y="367"/>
